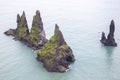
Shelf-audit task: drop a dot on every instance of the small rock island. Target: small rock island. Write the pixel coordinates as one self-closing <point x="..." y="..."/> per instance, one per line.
<point x="109" y="41"/>
<point x="55" y="54"/>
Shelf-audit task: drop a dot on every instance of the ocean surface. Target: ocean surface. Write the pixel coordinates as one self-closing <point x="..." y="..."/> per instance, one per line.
<point x="81" y="22"/>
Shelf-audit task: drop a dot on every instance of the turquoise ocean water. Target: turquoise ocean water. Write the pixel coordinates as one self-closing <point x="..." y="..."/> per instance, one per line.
<point x="81" y="22"/>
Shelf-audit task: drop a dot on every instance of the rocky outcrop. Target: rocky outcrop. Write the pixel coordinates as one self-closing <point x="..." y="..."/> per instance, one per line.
<point x="35" y="38"/>
<point x="10" y="32"/>
<point x="109" y="41"/>
<point x="56" y="55"/>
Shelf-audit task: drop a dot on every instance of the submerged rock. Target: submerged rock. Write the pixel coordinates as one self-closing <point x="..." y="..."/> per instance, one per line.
<point x="110" y="41"/>
<point x="56" y="55"/>
<point x="36" y="38"/>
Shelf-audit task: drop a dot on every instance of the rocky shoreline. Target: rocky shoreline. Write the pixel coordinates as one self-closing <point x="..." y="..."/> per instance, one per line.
<point x="55" y="54"/>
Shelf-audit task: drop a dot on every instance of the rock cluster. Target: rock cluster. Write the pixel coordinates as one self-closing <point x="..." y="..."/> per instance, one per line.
<point x="56" y="55"/>
<point x="35" y="38"/>
<point x="109" y="41"/>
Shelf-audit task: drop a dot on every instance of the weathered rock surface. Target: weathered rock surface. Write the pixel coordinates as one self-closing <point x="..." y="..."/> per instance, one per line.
<point x="35" y="38"/>
<point x="109" y="41"/>
<point x="56" y="55"/>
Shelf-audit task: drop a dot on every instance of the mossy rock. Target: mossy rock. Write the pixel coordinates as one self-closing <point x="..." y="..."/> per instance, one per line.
<point x="33" y="36"/>
<point x="55" y="53"/>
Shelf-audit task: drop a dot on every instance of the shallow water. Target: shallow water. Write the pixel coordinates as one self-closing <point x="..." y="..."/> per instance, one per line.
<point x="81" y="22"/>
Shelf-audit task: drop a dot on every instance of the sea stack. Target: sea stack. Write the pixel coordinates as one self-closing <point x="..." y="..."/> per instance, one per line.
<point x="35" y="38"/>
<point x="109" y="41"/>
<point x="56" y="55"/>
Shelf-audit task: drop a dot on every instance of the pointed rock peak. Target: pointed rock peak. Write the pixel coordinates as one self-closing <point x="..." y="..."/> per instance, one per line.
<point x="59" y="35"/>
<point x="103" y="36"/>
<point x="23" y="16"/>
<point x="112" y="27"/>
<point x="37" y="22"/>
<point x="23" y="19"/>
<point x="38" y="12"/>
<point x="56" y="28"/>
<point x="18" y="18"/>
<point x="23" y="13"/>
<point x="112" y="21"/>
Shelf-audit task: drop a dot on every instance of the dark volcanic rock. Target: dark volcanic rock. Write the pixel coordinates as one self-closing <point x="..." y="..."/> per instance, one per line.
<point x="56" y="55"/>
<point x="110" y="41"/>
<point x="36" y="38"/>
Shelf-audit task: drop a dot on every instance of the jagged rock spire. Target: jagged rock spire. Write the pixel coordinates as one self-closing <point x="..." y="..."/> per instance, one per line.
<point x="18" y="18"/>
<point x="37" y="21"/>
<point x="110" y="41"/>
<point x="36" y="38"/>
<point x="24" y="21"/>
<point x="111" y="31"/>
<point x="22" y="30"/>
<point x="59" y="34"/>
<point x="37" y="33"/>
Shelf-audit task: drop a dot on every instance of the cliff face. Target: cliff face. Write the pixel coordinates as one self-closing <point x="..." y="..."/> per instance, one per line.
<point x="56" y="55"/>
<point x="35" y="38"/>
<point x="109" y="41"/>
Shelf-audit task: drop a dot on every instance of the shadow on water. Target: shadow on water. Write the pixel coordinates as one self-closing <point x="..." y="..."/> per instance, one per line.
<point x="109" y="55"/>
<point x="109" y="52"/>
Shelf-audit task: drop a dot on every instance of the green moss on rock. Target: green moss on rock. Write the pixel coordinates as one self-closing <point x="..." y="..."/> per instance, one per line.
<point x="33" y="35"/>
<point x="21" y="31"/>
<point x="49" y="47"/>
<point x="64" y="47"/>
